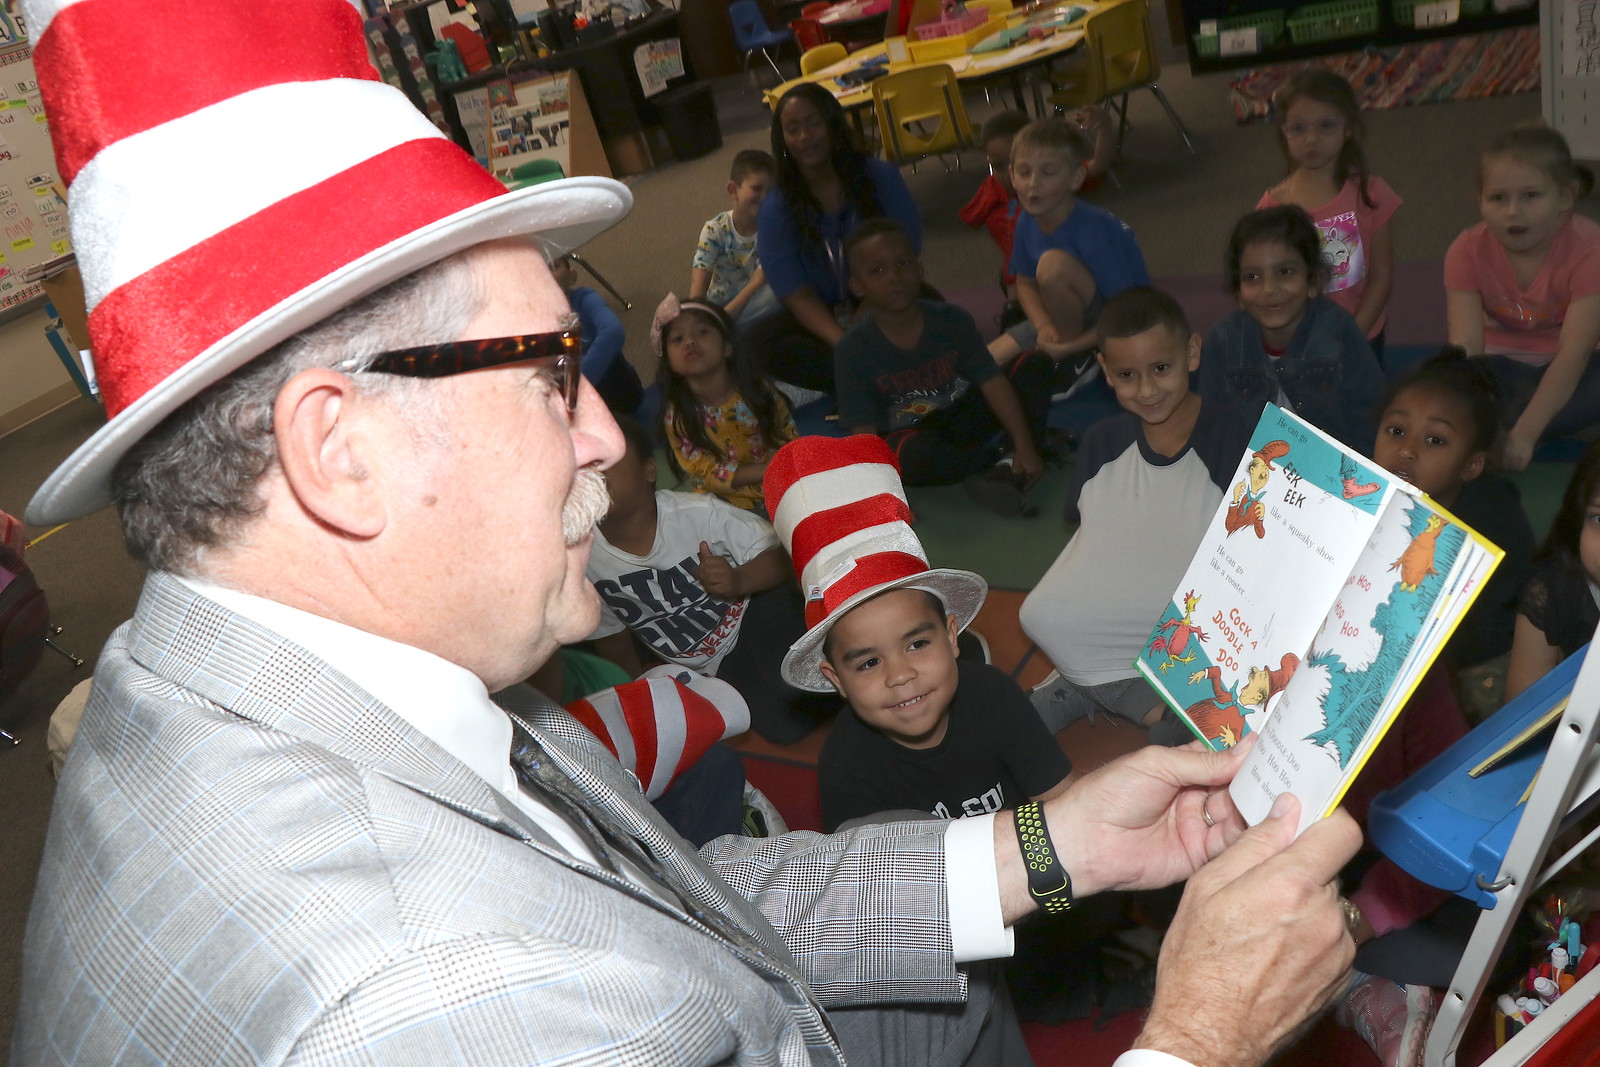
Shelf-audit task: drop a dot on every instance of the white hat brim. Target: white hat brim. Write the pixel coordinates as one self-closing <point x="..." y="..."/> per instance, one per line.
<point x="562" y="214"/>
<point x="963" y="593"/>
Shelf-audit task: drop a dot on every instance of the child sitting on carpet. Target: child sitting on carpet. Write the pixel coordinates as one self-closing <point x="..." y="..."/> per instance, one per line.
<point x="1437" y="430"/>
<point x="1287" y="344"/>
<point x="701" y="584"/>
<point x="1320" y="132"/>
<point x="916" y="371"/>
<point x="1524" y="286"/>
<point x="1560" y="603"/>
<point x="924" y="732"/>
<point x="1144" y="487"/>
<point x="721" y="419"/>
<point x="1068" y="257"/>
<point x="994" y="205"/>
<point x="726" y="270"/>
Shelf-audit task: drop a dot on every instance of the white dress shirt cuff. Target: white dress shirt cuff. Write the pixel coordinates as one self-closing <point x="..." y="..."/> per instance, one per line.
<point x="977" y="929"/>
<point x="1146" y="1057"/>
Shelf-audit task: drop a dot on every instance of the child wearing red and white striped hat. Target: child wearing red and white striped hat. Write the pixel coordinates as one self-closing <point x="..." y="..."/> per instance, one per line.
<point x="929" y="733"/>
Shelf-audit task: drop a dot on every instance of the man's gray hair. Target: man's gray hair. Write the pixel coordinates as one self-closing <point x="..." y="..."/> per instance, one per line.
<point x="194" y="480"/>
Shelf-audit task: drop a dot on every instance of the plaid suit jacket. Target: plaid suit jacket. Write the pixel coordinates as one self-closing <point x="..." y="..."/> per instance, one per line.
<point x="252" y="861"/>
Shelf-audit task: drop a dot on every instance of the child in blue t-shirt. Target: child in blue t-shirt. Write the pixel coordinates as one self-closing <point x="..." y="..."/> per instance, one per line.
<point x="1069" y="257"/>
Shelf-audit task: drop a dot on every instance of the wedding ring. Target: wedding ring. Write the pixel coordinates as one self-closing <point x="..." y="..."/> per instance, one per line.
<point x="1352" y="916"/>
<point x="1206" y="814"/>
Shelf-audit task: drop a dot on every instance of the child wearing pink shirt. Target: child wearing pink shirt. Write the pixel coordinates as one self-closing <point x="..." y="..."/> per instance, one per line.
<point x="1524" y="286"/>
<point x="1321" y="138"/>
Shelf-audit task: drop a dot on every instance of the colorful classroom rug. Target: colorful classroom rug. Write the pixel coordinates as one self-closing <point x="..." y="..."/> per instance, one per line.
<point x="1456" y="68"/>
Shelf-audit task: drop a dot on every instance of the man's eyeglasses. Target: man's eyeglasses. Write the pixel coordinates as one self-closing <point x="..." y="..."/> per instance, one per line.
<point x="560" y="351"/>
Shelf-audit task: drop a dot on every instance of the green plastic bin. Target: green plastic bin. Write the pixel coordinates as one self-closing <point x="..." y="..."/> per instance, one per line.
<point x="1404" y="12"/>
<point x="1269" y="26"/>
<point x="1331" y="21"/>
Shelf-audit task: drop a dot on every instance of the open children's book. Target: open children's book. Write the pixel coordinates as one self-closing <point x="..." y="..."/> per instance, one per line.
<point x="1317" y="600"/>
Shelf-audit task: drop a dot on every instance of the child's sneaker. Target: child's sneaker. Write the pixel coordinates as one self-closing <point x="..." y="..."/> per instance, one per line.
<point x="1073" y="373"/>
<point x="1393" y="1020"/>
<point x="999" y="489"/>
<point x="761" y="816"/>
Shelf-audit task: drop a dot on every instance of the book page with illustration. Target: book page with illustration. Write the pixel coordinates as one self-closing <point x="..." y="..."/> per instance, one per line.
<point x="1415" y="579"/>
<point x="1298" y="512"/>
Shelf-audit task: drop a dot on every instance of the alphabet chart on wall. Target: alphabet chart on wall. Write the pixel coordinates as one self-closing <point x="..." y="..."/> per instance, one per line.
<point x="33" y="220"/>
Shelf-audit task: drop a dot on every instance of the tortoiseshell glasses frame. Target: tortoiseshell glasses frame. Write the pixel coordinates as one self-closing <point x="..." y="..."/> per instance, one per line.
<point x="561" y="351"/>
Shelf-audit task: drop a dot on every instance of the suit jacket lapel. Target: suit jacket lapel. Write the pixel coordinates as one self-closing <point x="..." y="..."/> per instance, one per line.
<point x="265" y="677"/>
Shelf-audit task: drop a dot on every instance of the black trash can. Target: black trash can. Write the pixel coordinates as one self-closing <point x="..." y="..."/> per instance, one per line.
<point x="689" y="118"/>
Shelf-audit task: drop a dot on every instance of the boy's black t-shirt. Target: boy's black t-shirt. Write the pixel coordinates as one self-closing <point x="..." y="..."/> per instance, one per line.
<point x="996" y="753"/>
<point x="891" y="388"/>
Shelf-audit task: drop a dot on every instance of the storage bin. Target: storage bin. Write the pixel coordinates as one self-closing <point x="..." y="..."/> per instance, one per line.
<point x="1403" y="13"/>
<point x="950" y="45"/>
<point x="689" y="117"/>
<point x="1331" y="21"/>
<point x="1268" y="24"/>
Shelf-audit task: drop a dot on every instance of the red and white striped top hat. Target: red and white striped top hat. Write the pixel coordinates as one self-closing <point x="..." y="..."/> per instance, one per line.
<point x="255" y="180"/>
<point x="841" y="511"/>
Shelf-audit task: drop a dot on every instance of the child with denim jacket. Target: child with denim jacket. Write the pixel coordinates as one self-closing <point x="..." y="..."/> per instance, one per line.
<point x="1287" y="344"/>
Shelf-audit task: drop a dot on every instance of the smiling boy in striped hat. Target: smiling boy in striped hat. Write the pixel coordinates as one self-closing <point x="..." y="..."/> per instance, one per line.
<point x="929" y="733"/>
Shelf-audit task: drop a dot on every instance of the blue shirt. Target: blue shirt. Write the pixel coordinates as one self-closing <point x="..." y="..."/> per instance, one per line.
<point x="1097" y="238"/>
<point x="792" y="265"/>
<point x="600" y="329"/>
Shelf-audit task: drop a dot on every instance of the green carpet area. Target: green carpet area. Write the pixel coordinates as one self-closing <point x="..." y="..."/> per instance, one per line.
<point x="1010" y="553"/>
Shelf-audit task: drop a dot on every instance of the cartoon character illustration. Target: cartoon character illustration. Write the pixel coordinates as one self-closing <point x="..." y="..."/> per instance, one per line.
<point x="1347" y="479"/>
<point x="1249" y="507"/>
<point x="1177" y="641"/>
<point x="1221" y="718"/>
<point x="1416" y="562"/>
<point x="1336" y="253"/>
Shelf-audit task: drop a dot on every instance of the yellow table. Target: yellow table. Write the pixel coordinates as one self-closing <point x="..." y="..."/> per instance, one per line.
<point x="1006" y="63"/>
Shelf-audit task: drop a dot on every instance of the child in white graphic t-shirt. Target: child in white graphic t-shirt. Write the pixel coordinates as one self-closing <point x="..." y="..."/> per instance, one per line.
<point x="700" y="583"/>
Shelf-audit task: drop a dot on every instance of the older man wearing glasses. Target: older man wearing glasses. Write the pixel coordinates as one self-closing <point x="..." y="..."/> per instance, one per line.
<point x="349" y="438"/>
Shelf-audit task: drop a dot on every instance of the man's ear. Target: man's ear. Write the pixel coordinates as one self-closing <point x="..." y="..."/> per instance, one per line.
<point x="318" y="424"/>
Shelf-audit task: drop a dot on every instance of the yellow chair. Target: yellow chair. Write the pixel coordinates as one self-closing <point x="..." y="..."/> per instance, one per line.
<point x="824" y="55"/>
<point x="1119" y="57"/>
<point x="920" y="114"/>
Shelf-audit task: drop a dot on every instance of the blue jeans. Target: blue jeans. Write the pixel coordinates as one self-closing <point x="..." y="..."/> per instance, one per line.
<point x="1518" y="380"/>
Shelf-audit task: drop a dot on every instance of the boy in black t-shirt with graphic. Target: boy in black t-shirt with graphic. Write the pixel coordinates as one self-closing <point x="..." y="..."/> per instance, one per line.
<point x="924" y="732"/>
<point x="917" y="373"/>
